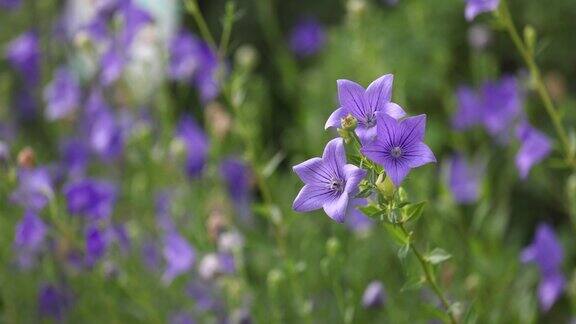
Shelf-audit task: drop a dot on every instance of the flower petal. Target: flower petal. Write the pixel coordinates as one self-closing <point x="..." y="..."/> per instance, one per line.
<point x="379" y="92"/>
<point x="550" y="288"/>
<point x="353" y="176"/>
<point x="351" y="96"/>
<point x="419" y="154"/>
<point x="396" y="170"/>
<point x="311" y="198"/>
<point x="366" y="134"/>
<point x="336" y="208"/>
<point x="394" y="110"/>
<point x="313" y="172"/>
<point x="334" y="156"/>
<point x="376" y="151"/>
<point x="335" y="118"/>
<point x="389" y="129"/>
<point x="413" y="129"/>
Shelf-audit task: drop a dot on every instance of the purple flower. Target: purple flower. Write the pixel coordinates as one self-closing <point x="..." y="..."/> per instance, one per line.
<point x="54" y="302"/>
<point x="374" y="295"/>
<point x="90" y="198"/>
<point x="112" y="65"/>
<point x="399" y="146"/>
<point x="470" y="109"/>
<point x="4" y="153"/>
<point x="464" y="179"/>
<point x="196" y="143"/>
<point x="502" y="105"/>
<point x="104" y="131"/>
<point x="329" y="182"/>
<point x="74" y="158"/>
<point x="62" y="95"/>
<point x="364" y="104"/>
<point x="29" y="238"/>
<point x="213" y="264"/>
<point x="237" y="177"/>
<point x="185" y="59"/>
<point x="96" y="245"/>
<point x="546" y="251"/>
<point x="202" y="293"/>
<point x="10" y="4"/>
<point x="206" y="78"/>
<point x="179" y="256"/>
<point x="23" y="53"/>
<point x="34" y="190"/>
<point x="134" y="19"/>
<point x="182" y="318"/>
<point x="535" y="146"/>
<point x="357" y="221"/>
<point x="476" y="7"/>
<point x="150" y="255"/>
<point x="307" y="38"/>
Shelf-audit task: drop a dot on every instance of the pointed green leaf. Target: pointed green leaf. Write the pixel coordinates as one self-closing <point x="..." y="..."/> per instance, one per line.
<point x="438" y="256"/>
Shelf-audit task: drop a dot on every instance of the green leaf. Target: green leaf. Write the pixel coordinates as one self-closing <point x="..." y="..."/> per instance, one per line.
<point x="397" y="234"/>
<point x="273" y="164"/>
<point x="403" y="251"/>
<point x="437" y="256"/>
<point x="413" y="211"/>
<point x="414" y="283"/>
<point x="371" y="211"/>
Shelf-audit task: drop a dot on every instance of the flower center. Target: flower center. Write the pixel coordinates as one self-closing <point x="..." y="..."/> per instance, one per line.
<point x="396" y="152"/>
<point x="336" y="185"/>
<point x="370" y="121"/>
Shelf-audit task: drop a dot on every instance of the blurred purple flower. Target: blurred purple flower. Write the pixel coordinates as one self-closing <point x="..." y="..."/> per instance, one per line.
<point x="112" y="65"/>
<point x="215" y="264"/>
<point x="105" y="133"/>
<point x="185" y="59"/>
<point x="329" y="182"/>
<point x="470" y="109"/>
<point x="4" y="153"/>
<point x="34" y="189"/>
<point x="196" y="143"/>
<point x="476" y="7"/>
<point x="179" y="256"/>
<point x="96" y="245"/>
<point x="120" y="234"/>
<point x="62" y="95"/>
<point x="535" y="146"/>
<point x="23" y="53"/>
<point x="91" y="198"/>
<point x="206" y="79"/>
<point x="74" y="157"/>
<point x="374" y="295"/>
<point x="29" y="238"/>
<point x="182" y="318"/>
<point x="10" y="4"/>
<point x="163" y="205"/>
<point x="237" y="176"/>
<point x="547" y="252"/>
<point x="399" y="146"/>
<point x="479" y="36"/>
<point x="203" y="295"/>
<point x="464" y="179"/>
<point x="134" y="19"/>
<point x="54" y="302"/>
<point x="502" y="105"/>
<point x="357" y="221"/>
<point x="151" y="255"/>
<point x="364" y="104"/>
<point x="307" y="37"/>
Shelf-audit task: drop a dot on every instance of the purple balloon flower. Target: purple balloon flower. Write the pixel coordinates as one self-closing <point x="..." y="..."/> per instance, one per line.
<point x="476" y="7"/>
<point x="374" y="295"/>
<point x="112" y="65"/>
<point x="179" y="256"/>
<point x="535" y="147"/>
<point x="307" y="37"/>
<point x="357" y="221"/>
<point x="237" y="177"/>
<point x="464" y="179"/>
<point x="399" y="146"/>
<point x="134" y="19"/>
<point x="34" y="190"/>
<point x="104" y="131"/>
<point x="96" y="245"/>
<point x="91" y="198"/>
<point x="29" y="238"/>
<point x="330" y="183"/>
<point x="363" y="104"/>
<point x="206" y="78"/>
<point x="196" y="143"/>
<point x="74" y="158"/>
<point x="185" y="60"/>
<point x="62" y="95"/>
<point x="10" y="4"/>
<point x="546" y="251"/>
<point x="502" y="105"/>
<point x="54" y="302"/>
<point x="23" y="53"/>
<point x="469" y="111"/>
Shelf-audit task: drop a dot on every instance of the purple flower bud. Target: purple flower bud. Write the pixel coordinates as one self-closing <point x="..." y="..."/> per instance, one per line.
<point x="96" y="245"/>
<point x="90" y="198"/>
<point x="206" y="79"/>
<point x="179" y="256"/>
<point x="535" y="147"/>
<point x="23" y="53"/>
<point x="34" y="190"/>
<point x="62" y="95"/>
<point x="374" y="295"/>
<point x="54" y="302"/>
<point x="29" y="238"/>
<point x="196" y="144"/>
<point x="307" y="37"/>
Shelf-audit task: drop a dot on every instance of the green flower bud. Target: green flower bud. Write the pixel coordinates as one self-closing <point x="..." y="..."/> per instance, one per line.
<point x="332" y="247"/>
<point x="349" y="123"/>
<point x="385" y="186"/>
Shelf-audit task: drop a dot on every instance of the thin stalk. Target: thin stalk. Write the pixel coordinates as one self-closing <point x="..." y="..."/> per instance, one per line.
<point x="229" y="18"/>
<point x="194" y="10"/>
<point x="430" y="277"/>
<point x="528" y="57"/>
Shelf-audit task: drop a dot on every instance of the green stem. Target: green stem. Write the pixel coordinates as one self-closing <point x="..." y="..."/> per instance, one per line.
<point x="528" y="57"/>
<point x="194" y="10"/>
<point x="430" y="277"/>
<point x="229" y="19"/>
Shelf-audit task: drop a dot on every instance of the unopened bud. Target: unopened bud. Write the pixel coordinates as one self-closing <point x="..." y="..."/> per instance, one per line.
<point x="349" y="123"/>
<point x="246" y="56"/>
<point x="275" y="276"/>
<point x="356" y="7"/>
<point x="332" y="247"/>
<point x="27" y="158"/>
<point x="385" y="186"/>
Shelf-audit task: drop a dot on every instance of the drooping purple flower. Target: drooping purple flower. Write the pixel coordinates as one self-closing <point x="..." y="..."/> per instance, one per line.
<point x="307" y="37"/>
<point x="10" y="4"/>
<point x="502" y="105"/>
<point x="399" y="146"/>
<point x="330" y="183"/>
<point x="476" y="7"/>
<point x="185" y="59"/>
<point x="374" y="295"/>
<point x="196" y="143"/>
<point x="91" y="198"/>
<point x="96" y="245"/>
<point x="29" y="238"/>
<point x="535" y="147"/>
<point x="54" y="302"/>
<point x="363" y="104"/>
<point x="23" y="53"/>
<point x="179" y="256"/>
<point x="112" y="64"/>
<point x="464" y="179"/>
<point x="546" y="251"/>
<point x="470" y="109"/>
<point x="62" y="95"/>
<point x="34" y="190"/>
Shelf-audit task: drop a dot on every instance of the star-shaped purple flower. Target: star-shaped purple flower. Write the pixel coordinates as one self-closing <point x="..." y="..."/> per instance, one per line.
<point x="179" y="255"/>
<point x="535" y="147"/>
<point x="363" y="104"/>
<point x="399" y="146"/>
<point x="330" y="183"/>
<point x="476" y="7"/>
<point x="464" y="179"/>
